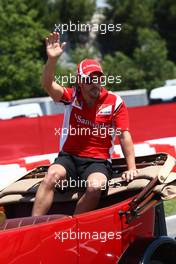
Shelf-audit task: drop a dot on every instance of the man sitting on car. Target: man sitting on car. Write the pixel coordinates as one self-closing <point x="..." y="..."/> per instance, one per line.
<point x="95" y="115"/>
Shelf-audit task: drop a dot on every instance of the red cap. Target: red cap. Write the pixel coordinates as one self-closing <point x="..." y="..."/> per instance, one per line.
<point x="87" y="66"/>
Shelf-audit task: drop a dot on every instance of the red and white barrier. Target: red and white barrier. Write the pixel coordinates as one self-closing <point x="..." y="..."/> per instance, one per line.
<point x="12" y="170"/>
<point x="148" y="147"/>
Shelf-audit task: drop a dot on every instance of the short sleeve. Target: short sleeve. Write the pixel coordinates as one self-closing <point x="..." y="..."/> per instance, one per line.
<point x="121" y="118"/>
<point x="67" y="95"/>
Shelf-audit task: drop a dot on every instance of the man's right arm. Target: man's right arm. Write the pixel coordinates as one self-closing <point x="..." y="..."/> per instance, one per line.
<point x="54" y="51"/>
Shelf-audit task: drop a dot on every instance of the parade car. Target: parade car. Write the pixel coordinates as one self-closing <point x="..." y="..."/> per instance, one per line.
<point x="128" y="226"/>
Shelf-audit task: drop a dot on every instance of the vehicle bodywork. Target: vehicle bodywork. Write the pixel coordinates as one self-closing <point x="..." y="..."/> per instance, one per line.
<point x="127" y="227"/>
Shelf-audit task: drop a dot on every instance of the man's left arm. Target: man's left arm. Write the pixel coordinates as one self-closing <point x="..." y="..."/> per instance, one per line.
<point x="128" y="152"/>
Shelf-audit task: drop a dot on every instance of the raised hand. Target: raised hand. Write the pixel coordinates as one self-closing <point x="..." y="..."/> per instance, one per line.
<point x="53" y="47"/>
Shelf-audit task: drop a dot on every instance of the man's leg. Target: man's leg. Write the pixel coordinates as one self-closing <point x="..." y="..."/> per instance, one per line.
<point x="44" y="197"/>
<point x="96" y="182"/>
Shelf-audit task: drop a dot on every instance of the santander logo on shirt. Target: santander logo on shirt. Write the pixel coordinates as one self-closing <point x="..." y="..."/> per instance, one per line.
<point x="88" y="122"/>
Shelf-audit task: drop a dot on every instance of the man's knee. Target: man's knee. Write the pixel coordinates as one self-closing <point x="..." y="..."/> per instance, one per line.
<point x="96" y="184"/>
<point x="56" y="174"/>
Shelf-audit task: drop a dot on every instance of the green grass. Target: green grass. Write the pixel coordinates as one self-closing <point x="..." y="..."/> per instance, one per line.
<point x="170" y="207"/>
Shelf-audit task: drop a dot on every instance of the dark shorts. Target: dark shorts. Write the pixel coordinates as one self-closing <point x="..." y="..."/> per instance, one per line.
<point x="79" y="168"/>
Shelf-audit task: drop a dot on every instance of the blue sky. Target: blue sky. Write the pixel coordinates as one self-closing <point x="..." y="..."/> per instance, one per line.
<point x="100" y="3"/>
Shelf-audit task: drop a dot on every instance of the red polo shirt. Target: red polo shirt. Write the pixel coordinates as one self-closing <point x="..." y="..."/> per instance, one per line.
<point x="89" y="132"/>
